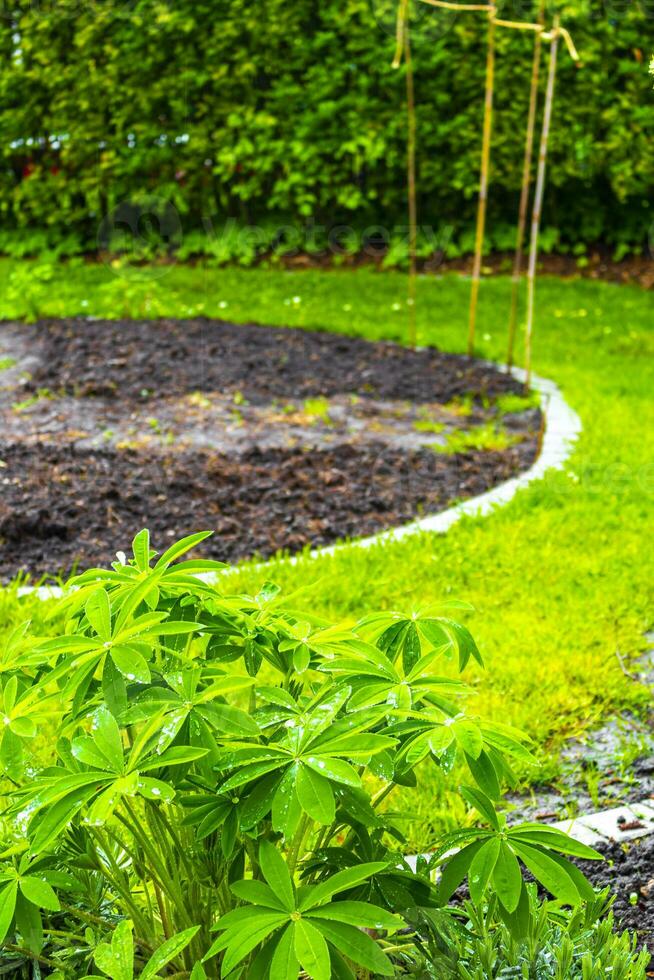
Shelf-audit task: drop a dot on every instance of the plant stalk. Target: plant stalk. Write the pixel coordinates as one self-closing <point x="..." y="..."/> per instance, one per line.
<point x="411" y="183"/>
<point x="526" y="182"/>
<point x="538" y="197"/>
<point x="483" y="179"/>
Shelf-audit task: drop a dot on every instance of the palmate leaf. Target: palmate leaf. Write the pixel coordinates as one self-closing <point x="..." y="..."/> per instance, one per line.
<point x="116" y="959"/>
<point x="481" y="868"/>
<point x="315" y="795"/>
<point x="284" y="963"/>
<point x="357" y="946"/>
<point x="360" y="914"/>
<point x="309" y="935"/>
<point x="8" y="895"/>
<point x="340" y="882"/>
<point x="167" y="952"/>
<point x="274" y="869"/>
<point x="39" y="893"/>
<point x="286" y="809"/>
<point x="311" y="949"/>
<point x="507" y="877"/>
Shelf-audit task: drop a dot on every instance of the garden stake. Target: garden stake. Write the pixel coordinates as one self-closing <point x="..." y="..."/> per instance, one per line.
<point x="411" y="185"/>
<point x="483" y="180"/>
<point x="403" y="46"/>
<point x="538" y="196"/>
<point x="526" y="181"/>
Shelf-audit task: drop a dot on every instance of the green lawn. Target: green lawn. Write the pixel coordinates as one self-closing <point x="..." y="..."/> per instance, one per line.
<point x="560" y="578"/>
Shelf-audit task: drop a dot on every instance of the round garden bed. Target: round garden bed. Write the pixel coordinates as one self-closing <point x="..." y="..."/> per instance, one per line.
<point x="277" y="439"/>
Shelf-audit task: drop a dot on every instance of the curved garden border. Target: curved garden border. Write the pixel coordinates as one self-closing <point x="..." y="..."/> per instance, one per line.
<point x="561" y="429"/>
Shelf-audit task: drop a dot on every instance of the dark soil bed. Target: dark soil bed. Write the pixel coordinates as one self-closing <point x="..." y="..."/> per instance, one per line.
<point x="188" y="425"/>
<point x="629" y="871"/>
<point x="136" y="358"/>
<point x="63" y="507"/>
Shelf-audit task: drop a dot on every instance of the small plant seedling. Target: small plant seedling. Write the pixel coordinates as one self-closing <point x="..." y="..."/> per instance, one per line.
<point x="488" y="437"/>
<point x="317" y="409"/>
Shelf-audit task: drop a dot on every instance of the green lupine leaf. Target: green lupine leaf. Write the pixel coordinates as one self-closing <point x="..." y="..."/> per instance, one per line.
<point x="336" y="770"/>
<point x="274" y="870"/>
<point x="354" y="746"/>
<point x="29" y="924"/>
<point x="340" y="882"/>
<point x="481" y="868"/>
<point x="106" y="735"/>
<point x="39" y="893"/>
<point x="62" y="813"/>
<point x="23" y="727"/>
<point x="361" y="914"/>
<point x="311" y="950"/>
<point x="482" y="804"/>
<point x="243" y="942"/>
<point x="286" y="809"/>
<point x="249" y="773"/>
<point x="167" y="952"/>
<point x="468" y="736"/>
<point x="315" y="795"/>
<point x="410" y="648"/>
<point x="258" y="893"/>
<point x="226" y="718"/>
<point x="259" y="802"/>
<point x="141" y="550"/>
<point x="301" y="658"/>
<point x="181" y="547"/>
<point x="552" y="837"/>
<point x="457" y="868"/>
<point x="548" y="872"/>
<point x="117" y="959"/>
<point x="284" y="965"/>
<point x="8" y="896"/>
<point x="484" y="774"/>
<point x="507" y="878"/>
<point x="358" y="947"/>
<point x="131" y="663"/>
<point x="155" y="789"/>
<point x="85" y="750"/>
<point x="98" y="613"/>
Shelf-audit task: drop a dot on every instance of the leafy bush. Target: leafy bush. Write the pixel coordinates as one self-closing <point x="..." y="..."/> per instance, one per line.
<point x="200" y="781"/>
<point x="557" y="944"/>
<point x="295" y="112"/>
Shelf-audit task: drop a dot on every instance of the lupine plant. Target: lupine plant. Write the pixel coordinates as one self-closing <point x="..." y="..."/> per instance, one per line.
<point x="196" y="784"/>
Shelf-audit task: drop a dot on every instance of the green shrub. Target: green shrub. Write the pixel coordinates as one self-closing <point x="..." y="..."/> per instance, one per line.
<point x="204" y="779"/>
<point x="556" y="944"/>
<point x="147" y="117"/>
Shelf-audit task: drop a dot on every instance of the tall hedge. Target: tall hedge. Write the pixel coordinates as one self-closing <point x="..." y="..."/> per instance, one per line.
<point x="281" y="111"/>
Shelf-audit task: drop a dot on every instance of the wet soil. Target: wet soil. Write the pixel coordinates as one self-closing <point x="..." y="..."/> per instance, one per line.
<point x="134" y="359"/>
<point x="276" y="439"/>
<point x="628" y="869"/>
<point x="84" y="505"/>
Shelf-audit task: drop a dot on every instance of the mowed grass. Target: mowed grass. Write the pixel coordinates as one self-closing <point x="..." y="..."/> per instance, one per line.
<point x="561" y="579"/>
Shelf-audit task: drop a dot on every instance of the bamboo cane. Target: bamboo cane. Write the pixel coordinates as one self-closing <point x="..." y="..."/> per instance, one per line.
<point x="411" y="184"/>
<point x="538" y="196"/>
<point x="526" y="181"/>
<point x="483" y="179"/>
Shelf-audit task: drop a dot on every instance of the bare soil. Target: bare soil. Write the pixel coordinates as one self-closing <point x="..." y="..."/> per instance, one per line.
<point x="276" y="439"/>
